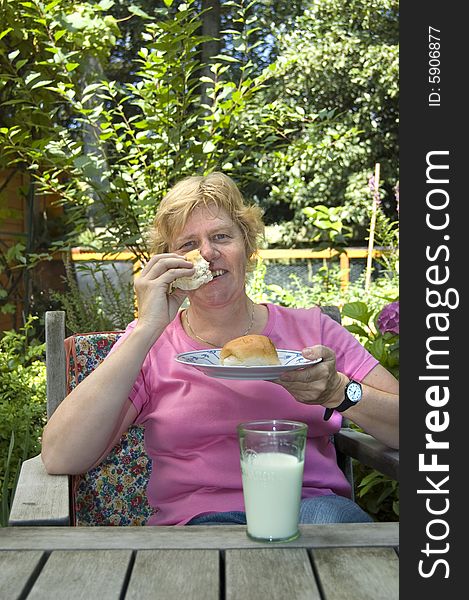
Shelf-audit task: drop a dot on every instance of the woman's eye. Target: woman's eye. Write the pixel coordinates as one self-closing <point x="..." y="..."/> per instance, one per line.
<point x="221" y="236"/>
<point x="186" y="245"/>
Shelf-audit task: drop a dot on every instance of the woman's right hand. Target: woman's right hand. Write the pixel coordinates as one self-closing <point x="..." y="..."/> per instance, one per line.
<point x="158" y="304"/>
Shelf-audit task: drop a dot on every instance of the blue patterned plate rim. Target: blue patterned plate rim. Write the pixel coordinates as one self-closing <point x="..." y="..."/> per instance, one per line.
<point x="211" y="358"/>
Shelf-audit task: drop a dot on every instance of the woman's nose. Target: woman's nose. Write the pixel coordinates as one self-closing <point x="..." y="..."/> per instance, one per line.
<point x="208" y="250"/>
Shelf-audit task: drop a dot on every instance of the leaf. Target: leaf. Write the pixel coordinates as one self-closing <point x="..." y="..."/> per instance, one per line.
<point x="356" y="329"/>
<point x="41" y="84"/>
<point x="135" y="10"/>
<point x="226" y="58"/>
<point x="52" y="5"/>
<point x="364" y="489"/>
<point x="378" y="349"/>
<point x="5" y="32"/>
<point x="78" y="21"/>
<point x="90" y="88"/>
<point x="207" y="80"/>
<point x="384" y="494"/>
<point x="21" y="63"/>
<point x="372" y="476"/>
<point x="357" y="310"/>
<point x="106" y="4"/>
<point x="59" y="34"/>
<point x="208" y="147"/>
<point x="31" y="77"/>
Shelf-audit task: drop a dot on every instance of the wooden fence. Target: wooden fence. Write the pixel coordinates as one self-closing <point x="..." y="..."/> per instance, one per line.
<point x="275" y="254"/>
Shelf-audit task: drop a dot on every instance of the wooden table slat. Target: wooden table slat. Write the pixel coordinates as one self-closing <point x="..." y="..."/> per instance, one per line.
<point x="193" y="537"/>
<point x="365" y="573"/>
<point x="327" y="562"/>
<point x="17" y="571"/>
<point x="175" y="574"/>
<point x="273" y="573"/>
<point x="82" y="575"/>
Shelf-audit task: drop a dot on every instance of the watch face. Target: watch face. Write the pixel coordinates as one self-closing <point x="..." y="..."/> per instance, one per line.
<point x="354" y="391"/>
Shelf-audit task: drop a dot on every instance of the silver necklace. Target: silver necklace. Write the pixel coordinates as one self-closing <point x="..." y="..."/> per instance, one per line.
<point x="186" y="313"/>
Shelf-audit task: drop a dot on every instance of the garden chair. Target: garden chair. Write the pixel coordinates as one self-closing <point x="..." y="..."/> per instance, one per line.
<point x="113" y="493"/>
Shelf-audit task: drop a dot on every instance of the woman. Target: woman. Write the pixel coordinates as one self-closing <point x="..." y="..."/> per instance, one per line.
<point x="190" y="419"/>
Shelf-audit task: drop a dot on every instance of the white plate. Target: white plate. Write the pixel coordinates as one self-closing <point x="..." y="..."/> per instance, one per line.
<point x="208" y="361"/>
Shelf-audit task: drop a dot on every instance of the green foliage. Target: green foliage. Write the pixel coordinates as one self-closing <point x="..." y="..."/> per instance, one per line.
<point x="328" y="223"/>
<point x="10" y="276"/>
<point x="109" y="150"/>
<point x="301" y="132"/>
<point x="387" y="236"/>
<point x="340" y="61"/>
<point x="22" y="406"/>
<point x="376" y="493"/>
<point x="362" y="322"/>
<point x="107" y="304"/>
<point x="44" y="48"/>
<point x="322" y="287"/>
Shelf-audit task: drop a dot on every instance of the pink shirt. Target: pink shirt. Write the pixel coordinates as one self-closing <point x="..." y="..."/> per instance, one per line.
<point x="190" y="419"/>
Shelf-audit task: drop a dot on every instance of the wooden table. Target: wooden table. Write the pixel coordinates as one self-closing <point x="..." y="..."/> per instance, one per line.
<point x="327" y="562"/>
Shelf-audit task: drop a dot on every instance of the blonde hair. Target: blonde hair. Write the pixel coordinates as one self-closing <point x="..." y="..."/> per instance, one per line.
<point x="192" y="192"/>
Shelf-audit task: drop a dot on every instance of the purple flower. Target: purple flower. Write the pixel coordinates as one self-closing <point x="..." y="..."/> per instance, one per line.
<point x="388" y="319"/>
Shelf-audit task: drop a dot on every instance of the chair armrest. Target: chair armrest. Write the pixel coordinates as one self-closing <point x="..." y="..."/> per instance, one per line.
<point x="369" y="451"/>
<point x="40" y="498"/>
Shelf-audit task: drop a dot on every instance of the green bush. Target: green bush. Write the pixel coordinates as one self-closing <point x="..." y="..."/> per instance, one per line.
<point x="375" y="492"/>
<point x="107" y="303"/>
<point x="22" y="406"/>
<point x="362" y="321"/>
<point x="110" y="150"/>
<point x="323" y="287"/>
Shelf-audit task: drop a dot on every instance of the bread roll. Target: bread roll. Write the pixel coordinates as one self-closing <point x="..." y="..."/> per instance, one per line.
<point x="202" y="272"/>
<point x="249" y="350"/>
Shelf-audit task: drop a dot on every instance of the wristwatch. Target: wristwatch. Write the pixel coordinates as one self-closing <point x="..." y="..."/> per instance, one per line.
<point x="353" y="395"/>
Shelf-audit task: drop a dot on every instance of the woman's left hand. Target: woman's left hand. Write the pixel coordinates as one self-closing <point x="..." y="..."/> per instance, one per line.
<point x="317" y="384"/>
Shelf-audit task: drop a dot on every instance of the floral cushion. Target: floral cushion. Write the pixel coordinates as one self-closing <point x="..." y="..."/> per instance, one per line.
<point x="114" y="492"/>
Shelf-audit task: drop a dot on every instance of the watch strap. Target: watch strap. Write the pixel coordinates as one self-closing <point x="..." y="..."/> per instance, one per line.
<point x="344" y="405"/>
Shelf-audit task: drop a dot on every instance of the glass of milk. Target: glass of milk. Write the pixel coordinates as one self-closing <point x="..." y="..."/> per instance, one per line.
<point x="272" y="459"/>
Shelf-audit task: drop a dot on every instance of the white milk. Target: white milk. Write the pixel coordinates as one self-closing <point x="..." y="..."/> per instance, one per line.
<point x="272" y="484"/>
